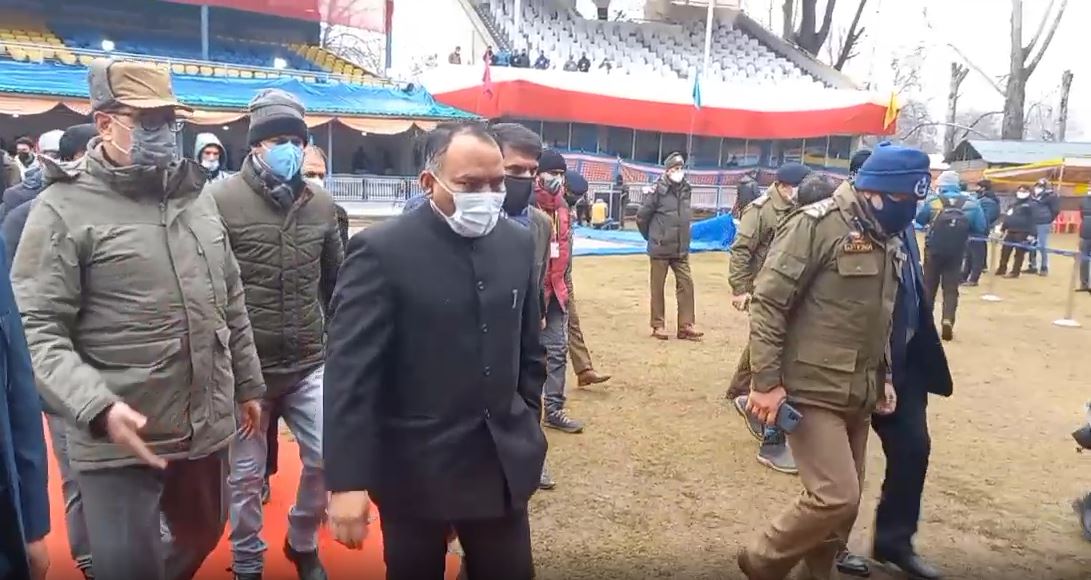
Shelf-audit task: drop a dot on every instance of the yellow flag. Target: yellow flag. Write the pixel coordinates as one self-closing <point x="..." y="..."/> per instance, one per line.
<point x="892" y="109"/>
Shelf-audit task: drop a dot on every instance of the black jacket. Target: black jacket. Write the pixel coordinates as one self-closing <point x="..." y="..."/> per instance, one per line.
<point x="1020" y="217"/>
<point x="747" y="192"/>
<point x="434" y="371"/>
<point x="14" y="209"/>
<point x="1085" y="214"/>
<point x="1046" y="208"/>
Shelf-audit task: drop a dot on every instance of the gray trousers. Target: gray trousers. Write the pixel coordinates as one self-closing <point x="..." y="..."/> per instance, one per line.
<point x="122" y="508"/>
<point x="555" y="341"/>
<point x="78" y="543"/>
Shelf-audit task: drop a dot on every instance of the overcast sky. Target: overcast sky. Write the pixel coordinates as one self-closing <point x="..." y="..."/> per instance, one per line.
<point x="980" y="28"/>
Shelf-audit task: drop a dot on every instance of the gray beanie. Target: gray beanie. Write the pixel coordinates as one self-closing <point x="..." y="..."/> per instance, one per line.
<point x="674" y="160"/>
<point x="274" y="112"/>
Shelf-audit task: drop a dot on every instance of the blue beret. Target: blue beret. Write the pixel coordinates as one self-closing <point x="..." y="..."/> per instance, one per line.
<point x="895" y="169"/>
<point x="576" y="182"/>
<point x="792" y="173"/>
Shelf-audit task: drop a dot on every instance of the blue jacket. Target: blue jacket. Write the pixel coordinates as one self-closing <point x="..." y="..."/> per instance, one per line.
<point x="990" y="206"/>
<point x="414" y="202"/>
<point x="933" y="206"/>
<point x="917" y="358"/>
<point x="22" y="440"/>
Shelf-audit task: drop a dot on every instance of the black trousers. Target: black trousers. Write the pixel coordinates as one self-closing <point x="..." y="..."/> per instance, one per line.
<point x="1006" y="251"/>
<point x="977" y="255"/>
<point x="496" y="549"/>
<point x="945" y="271"/>
<point x="907" y="445"/>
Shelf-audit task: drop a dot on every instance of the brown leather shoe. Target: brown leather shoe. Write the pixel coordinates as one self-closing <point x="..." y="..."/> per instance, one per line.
<point x="660" y="334"/>
<point x="689" y="333"/>
<point x="591" y="377"/>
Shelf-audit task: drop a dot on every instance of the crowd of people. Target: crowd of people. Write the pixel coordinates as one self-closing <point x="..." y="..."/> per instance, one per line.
<point x="521" y="59"/>
<point x="167" y="316"/>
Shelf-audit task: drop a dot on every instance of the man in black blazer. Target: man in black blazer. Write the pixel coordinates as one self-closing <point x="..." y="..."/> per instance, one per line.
<point x="919" y="367"/>
<point x="434" y="374"/>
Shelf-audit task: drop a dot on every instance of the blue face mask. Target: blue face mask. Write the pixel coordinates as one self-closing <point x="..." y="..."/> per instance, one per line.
<point x="284" y="160"/>
<point x="895" y="216"/>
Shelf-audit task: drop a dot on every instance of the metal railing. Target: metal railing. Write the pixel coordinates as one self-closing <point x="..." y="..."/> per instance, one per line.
<point x="38" y="48"/>
<point x="392" y="189"/>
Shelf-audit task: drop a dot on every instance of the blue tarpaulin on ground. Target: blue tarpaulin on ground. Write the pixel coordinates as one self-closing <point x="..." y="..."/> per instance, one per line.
<point x="710" y="235"/>
<point x="59" y="80"/>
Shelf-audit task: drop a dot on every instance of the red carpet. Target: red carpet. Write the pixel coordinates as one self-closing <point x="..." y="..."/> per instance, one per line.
<point x="366" y="564"/>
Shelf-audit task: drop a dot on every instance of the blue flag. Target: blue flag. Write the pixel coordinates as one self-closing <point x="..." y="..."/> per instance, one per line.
<point x="697" y="90"/>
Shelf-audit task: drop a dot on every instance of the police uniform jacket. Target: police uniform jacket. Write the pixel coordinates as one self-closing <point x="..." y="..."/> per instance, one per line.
<point x="434" y="370"/>
<point x="757" y="226"/>
<point x="821" y="314"/>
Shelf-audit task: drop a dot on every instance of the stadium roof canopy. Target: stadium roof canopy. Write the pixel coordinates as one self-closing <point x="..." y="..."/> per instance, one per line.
<point x="363" y="14"/>
<point x="27" y="88"/>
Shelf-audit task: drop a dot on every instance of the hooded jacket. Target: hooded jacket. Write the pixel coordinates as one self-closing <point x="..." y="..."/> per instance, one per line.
<point x="129" y="292"/>
<point x="204" y="140"/>
<point x="1046" y="206"/>
<point x="16" y="203"/>
<point x="289" y="257"/>
<point x="664" y="218"/>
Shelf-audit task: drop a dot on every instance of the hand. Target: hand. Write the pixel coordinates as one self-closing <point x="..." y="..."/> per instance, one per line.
<point x="123" y="425"/>
<point x="889" y="402"/>
<point x="543" y="323"/>
<point x="38" y="555"/>
<point x="741" y="302"/>
<point x="765" y="406"/>
<point x="349" y="516"/>
<point x="250" y="421"/>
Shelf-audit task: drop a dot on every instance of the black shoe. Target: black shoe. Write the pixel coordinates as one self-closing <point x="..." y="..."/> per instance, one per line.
<point x="852" y="565"/>
<point x="1031" y="270"/>
<point x="265" y="491"/>
<point x="947" y="331"/>
<point x="248" y="576"/>
<point x="307" y="564"/>
<point x="560" y="421"/>
<point x="911" y="564"/>
<point x="1043" y="273"/>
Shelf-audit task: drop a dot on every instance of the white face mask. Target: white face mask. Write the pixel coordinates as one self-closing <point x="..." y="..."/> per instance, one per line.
<point x="315" y="182"/>
<point x="677" y="176"/>
<point x="1022" y="194"/>
<point x="210" y="164"/>
<point x="476" y="213"/>
<point x="1039" y="190"/>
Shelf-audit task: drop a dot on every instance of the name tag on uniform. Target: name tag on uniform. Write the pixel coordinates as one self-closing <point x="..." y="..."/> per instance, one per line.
<point x="857" y="244"/>
<point x="554" y="250"/>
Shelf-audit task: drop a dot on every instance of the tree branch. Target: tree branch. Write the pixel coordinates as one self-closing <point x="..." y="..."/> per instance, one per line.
<point x="1041" y="27"/>
<point x="992" y="81"/>
<point x="851" y="38"/>
<point x="827" y="20"/>
<point x="1033" y="64"/>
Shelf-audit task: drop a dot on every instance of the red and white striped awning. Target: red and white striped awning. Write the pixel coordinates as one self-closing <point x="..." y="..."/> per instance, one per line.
<point x="727" y="110"/>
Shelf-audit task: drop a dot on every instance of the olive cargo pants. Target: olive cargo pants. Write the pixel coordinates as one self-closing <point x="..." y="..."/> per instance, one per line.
<point x="683" y="284"/>
<point x="740" y="382"/>
<point x="577" y="346"/>
<point x="830" y="449"/>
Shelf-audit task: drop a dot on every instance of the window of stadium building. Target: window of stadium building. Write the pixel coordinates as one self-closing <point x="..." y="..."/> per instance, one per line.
<point x="705" y="151"/>
<point x="618" y="142"/>
<point x="555" y="135"/>
<point x="672" y="142"/>
<point x="585" y="138"/>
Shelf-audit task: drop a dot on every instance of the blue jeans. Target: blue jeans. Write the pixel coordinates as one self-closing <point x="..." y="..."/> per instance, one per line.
<point x="1042" y="232"/>
<point x="301" y="409"/>
<point x="555" y="341"/>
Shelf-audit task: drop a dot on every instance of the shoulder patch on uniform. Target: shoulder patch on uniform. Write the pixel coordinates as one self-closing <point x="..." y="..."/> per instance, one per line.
<point x="761" y="200"/>
<point x="820" y="209"/>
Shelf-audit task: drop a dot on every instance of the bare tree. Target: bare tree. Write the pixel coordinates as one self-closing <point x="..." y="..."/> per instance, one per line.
<point x="1024" y="60"/>
<point x="958" y="74"/>
<point x="851" y="39"/>
<point x="360" y="47"/>
<point x="812" y="33"/>
<point x="1062" y="120"/>
<point x="978" y="124"/>
<point x="916" y="127"/>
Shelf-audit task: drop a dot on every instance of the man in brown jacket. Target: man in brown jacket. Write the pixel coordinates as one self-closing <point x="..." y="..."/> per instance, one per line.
<point x="283" y="231"/>
<point x="138" y="331"/>
<point x="757" y="227"/>
<point x="664" y="219"/>
<point x="820" y="325"/>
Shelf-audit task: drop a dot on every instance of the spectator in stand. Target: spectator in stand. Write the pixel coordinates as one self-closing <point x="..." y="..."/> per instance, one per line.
<point x="570" y="64"/>
<point x="1047" y="206"/>
<point x="210" y="153"/>
<point x="524" y="59"/>
<point x="606" y="64"/>
<point x="456" y="56"/>
<point x="1085" y="243"/>
<point x="488" y="57"/>
<point x="584" y="64"/>
<point x="977" y="253"/>
<point x="542" y="63"/>
<point x="1018" y="227"/>
<point x="503" y="58"/>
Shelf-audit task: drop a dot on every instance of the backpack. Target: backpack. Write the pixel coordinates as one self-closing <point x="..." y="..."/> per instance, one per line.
<point x="950" y="228"/>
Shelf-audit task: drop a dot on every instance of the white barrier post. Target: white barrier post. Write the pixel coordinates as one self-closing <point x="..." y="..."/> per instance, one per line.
<point x="1070" y="299"/>
<point x="994" y="253"/>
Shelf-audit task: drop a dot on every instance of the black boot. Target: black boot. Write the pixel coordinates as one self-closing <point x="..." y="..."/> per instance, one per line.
<point x="909" y="563"/>
<point x="852" y="565"/>
<point x="307" y="564"/>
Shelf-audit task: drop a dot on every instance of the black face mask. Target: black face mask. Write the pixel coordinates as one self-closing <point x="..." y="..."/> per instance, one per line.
<point x="517" y="196"/>
<point x="26" y="158"/>
<point x="572" y="198"/>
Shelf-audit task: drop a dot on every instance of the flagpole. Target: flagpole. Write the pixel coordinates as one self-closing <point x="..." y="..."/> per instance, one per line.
<point x="708" y="37"/>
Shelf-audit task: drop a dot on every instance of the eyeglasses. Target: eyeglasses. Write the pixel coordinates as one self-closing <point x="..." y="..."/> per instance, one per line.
<point x="313" y="175"/>
<point x="151" y="122"/>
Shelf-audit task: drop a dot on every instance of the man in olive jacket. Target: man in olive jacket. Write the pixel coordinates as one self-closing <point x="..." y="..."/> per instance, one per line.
<point x="284" y="233"/>
<point x="663" y="220"/>
<point x="138" y="331"/>
<point x="820" y="325"/>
